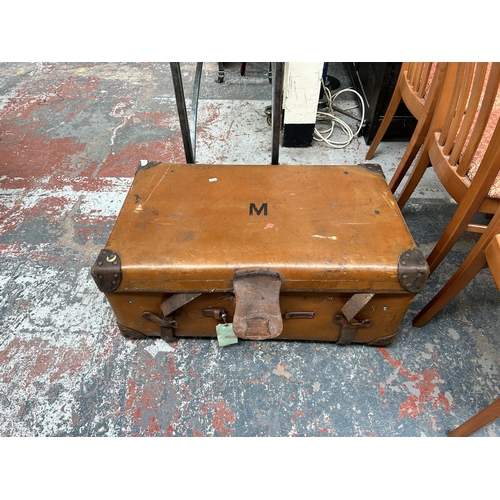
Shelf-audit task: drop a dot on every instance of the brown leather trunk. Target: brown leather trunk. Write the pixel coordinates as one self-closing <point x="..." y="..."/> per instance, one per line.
<point x="278" y="252"/>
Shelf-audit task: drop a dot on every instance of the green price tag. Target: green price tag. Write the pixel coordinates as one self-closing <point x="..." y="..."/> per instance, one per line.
<point x="225" y="334"/>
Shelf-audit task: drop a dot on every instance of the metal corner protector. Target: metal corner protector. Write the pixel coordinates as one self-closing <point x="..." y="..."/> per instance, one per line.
<point x="106" y="271"/>
<point x="413" y="270"/>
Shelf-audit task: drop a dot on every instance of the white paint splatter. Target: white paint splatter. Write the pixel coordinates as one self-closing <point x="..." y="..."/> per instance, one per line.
<point x="324" y="237"/>
<point x="487" y="365"/>
<point x="411" y="388"/>
<point x="159" y="346"/>
<point x="95" y="205"/>
<point x="280" y="370"/>
<point x="115" y="130"/>
<point x="117" y="112"/>
<point x="449" y="397"/>
<point x="7" y="97"/>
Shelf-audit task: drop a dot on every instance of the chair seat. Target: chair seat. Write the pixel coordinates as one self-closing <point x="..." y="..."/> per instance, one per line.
<point x="429" y="81"/>
<point x="494" y="192"/>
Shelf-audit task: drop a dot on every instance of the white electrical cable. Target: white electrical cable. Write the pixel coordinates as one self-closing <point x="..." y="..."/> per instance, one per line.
<point x="328" y="116"/>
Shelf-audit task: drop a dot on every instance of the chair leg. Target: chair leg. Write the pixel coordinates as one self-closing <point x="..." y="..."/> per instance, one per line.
<point x="416" y="141"/>
<point x="389" y="114"/>
<point x="474" y="262"/>
<point x="493" y="258"/>
<point x="452" y="233"/>
<point x="470" y="267"/>
<point x="479" y="420"/>
<point x="423" y="161"/>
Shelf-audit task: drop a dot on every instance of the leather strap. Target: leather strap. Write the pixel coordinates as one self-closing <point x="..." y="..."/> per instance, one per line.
<point x="348" y="320"/>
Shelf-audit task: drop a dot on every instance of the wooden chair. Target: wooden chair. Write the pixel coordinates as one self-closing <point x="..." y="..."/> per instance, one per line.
<point x="464" y="149"/>
<point x="492" y="411"/>
<point x="479" y="420"/>
<point x="485" y="252"/>
<point x="418" y="86"/>
<point x="459" y="144"/>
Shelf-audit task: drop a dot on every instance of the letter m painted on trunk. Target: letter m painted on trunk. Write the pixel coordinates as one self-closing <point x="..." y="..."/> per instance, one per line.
<point x="258" y="211"/>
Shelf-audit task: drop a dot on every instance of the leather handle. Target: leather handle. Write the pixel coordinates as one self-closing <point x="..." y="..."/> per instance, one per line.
<point x="257" y="314"/>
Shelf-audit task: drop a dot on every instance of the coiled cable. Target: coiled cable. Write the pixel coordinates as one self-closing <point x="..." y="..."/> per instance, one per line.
<point x="329" y="117"/>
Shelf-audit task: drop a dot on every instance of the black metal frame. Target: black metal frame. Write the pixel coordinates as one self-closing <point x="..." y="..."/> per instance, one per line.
<point x="188" y="138"/>
<point x="277" y="106"/>
<point x="189" y="130"/>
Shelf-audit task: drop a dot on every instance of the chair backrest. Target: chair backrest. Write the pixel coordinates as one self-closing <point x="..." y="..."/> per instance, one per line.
<point x="463" y="129"/>
<point x="419" y="86"/>
<point x="415" y="83"/>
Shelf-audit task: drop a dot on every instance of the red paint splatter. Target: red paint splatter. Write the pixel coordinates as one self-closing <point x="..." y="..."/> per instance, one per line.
<point x="70" y="360"/>
<point x="298" y="413"/>
<point x="222" y="417"/>
<point x="425" y="384"/>
<point x="141" y="402"/>
<point x="131" y="396"/>
<point x="126" y="159"/>
<point x="32" y="161"/>
<point x="172" y="370"/>
<point x="36" y="359"/>
<point x="252" y="381"/>
<point x="153" y="426"/>
<point x="370" y="434"/>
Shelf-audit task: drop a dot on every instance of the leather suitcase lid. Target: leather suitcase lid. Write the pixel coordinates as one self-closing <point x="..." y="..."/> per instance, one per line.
<point x="190" y="227"/>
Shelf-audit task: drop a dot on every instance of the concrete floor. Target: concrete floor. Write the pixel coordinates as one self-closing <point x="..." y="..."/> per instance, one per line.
<point x="71" y="138"/>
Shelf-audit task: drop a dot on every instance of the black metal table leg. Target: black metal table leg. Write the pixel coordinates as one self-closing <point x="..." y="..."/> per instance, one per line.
<point x="188" y="132"/>
<point x="221" y="74"/>
<point x="278" y="79"/>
